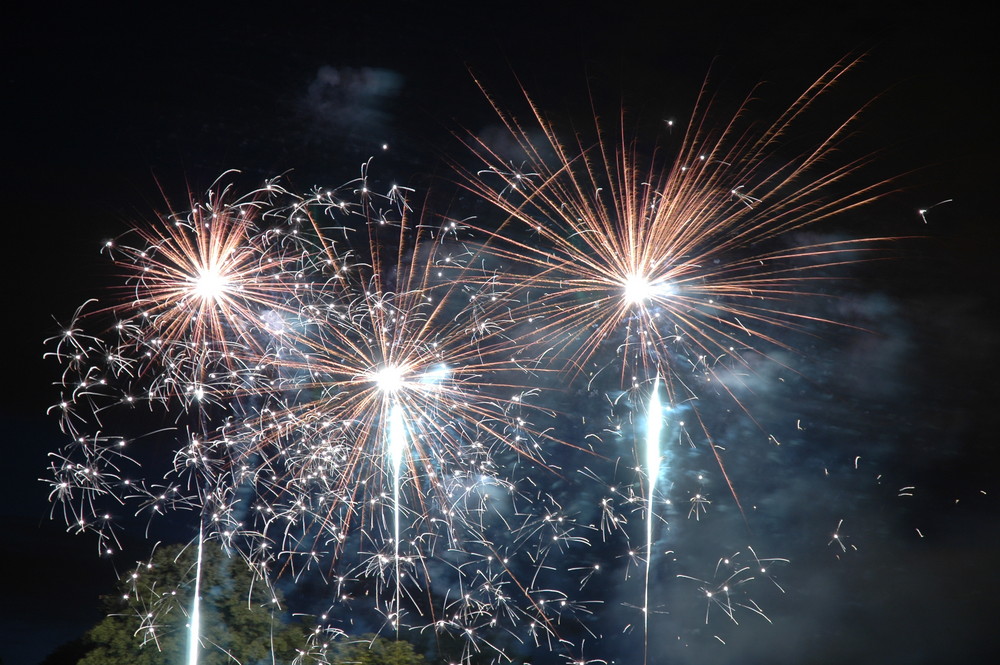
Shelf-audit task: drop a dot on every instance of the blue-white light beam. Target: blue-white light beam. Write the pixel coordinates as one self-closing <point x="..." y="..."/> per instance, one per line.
<point x="194" y="628"/>
<point x="396" y="450"/>
<point x="654" y="429"/>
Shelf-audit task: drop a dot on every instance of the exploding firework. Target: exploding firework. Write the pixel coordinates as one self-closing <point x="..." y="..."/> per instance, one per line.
<point x="679" y="267"/>
<point x="690" y="270"/>
<point x="336" y="404"/>
<point x="354" y="391"/>
<point x="382" y="416"/>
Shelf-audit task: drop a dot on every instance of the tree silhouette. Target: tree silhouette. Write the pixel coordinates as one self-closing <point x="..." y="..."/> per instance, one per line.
<point x="241" y="620"/>
<point x="147" y="622"/>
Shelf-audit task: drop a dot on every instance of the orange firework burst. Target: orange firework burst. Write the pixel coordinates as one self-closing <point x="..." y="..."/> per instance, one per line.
<point x="205" y="284"/>
<point x="394" y="336"/>
<point x="666" y="261"/>
<point x="380" y="421"/>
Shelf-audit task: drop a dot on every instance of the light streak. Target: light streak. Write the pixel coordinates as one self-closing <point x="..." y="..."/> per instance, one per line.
<point x="654" y="429"/>
<point x="396" y="437"/>
<point x="194" y="630"/>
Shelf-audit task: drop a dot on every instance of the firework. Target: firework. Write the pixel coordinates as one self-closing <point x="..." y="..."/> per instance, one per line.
<point x="351" y="390"/>
<point x="678" y="267"/>
<point x="337" y="406"/>
<point x="631" y="269"/>
<point x="390" y="397"/>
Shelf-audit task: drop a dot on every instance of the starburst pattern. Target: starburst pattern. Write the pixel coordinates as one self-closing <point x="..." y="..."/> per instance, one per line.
<point x="669" y="266"/>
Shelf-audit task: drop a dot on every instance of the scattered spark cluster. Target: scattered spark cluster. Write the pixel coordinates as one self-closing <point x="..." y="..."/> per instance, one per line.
<point x="340" y="389"/>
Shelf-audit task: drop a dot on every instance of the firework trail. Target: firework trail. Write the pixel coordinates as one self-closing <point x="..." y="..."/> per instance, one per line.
<point x="194" y="631"/>
<point x="654" y="428"/>
<point x="396" y="441"/>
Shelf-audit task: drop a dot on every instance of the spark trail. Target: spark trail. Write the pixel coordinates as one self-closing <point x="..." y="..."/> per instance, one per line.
<point x="397" y="448"/>
<point x="194" y="631"/>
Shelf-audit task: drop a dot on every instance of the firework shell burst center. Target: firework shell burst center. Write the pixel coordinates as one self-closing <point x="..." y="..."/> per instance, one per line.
<point x="359" y="394"/>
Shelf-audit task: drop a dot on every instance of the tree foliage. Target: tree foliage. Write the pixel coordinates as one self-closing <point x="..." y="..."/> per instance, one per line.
<point x="241" y="621"/>
<point x="148" y="619"/>
<point x="372" y="650"/>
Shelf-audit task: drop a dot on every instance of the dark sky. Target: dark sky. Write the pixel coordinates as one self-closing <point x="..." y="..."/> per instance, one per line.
<point x="106" y="108"/>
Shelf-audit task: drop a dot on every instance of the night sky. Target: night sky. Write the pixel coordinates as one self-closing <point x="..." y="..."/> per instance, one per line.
<point x="111" y="111"/>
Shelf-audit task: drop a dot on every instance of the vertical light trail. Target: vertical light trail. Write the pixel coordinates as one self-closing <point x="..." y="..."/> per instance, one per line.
<point x="396" y="448"/>
<point x="654" y="427"/>
<point x="194" y="629"/>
